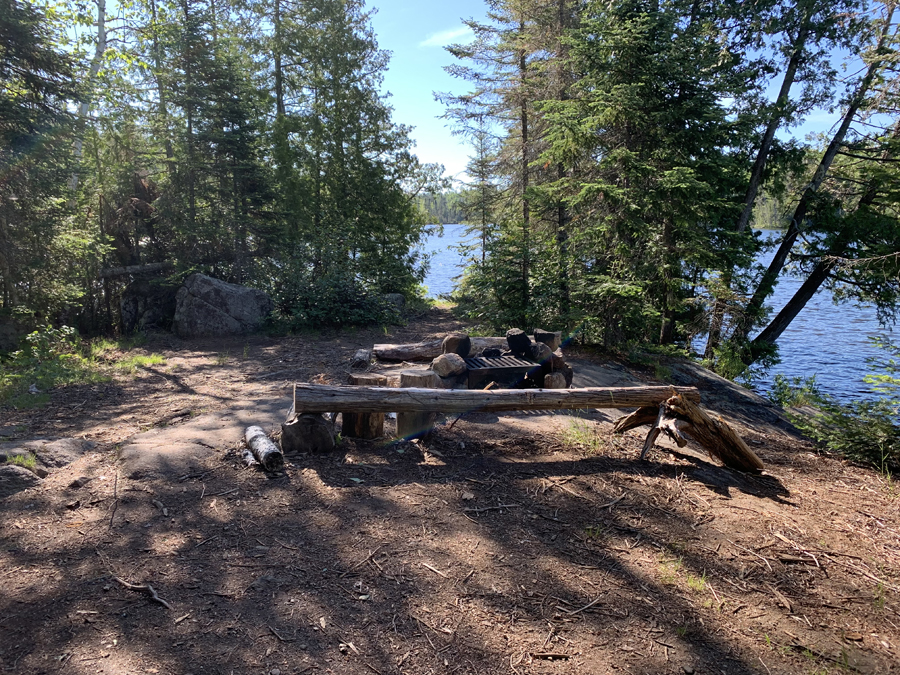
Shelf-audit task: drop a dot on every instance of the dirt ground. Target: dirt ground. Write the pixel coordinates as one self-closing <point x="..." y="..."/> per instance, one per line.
<point x="520" y="543"/>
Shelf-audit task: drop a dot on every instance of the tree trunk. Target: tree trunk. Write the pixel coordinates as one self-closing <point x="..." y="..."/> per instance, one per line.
<point x="316" y="398"/>
<point x="84" y="106"/>
<point x="770" y="277"/>
<point x="759" y="165"/>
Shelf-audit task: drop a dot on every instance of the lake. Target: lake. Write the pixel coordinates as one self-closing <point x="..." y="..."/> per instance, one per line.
<point x="826" y="340"/>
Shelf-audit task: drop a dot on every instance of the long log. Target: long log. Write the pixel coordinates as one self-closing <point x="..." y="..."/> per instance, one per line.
<point x="326" y="398"/>
<point x="135" y="269"/>
<point x="431" y="349"/>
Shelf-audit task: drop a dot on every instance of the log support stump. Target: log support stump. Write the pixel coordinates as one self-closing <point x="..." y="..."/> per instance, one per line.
<point x="364" y="425"/>
<point x="417" y="424"/>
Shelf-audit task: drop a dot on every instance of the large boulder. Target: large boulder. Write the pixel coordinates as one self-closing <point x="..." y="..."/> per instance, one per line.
<point x="457" y="343"/>
<point x="208" y="307"/>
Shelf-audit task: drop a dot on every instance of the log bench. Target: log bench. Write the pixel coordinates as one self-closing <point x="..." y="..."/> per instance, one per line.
<point x="674" y="407"/>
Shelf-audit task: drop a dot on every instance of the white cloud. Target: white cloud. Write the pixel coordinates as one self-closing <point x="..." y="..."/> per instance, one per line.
<point x="446" y="37"/>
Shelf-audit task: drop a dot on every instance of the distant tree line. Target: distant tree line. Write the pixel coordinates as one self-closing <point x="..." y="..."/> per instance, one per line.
<point x="622" y="152"/>
<point x="444" y="208"/>
<point x="246" y="140"/>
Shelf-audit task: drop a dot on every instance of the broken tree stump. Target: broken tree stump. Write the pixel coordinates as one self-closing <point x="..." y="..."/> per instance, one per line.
<point x="264" y="450"/>
<point x="415" y="423"/>
<point x="678" y="416"/>
<point x="364" y="425"/>
<point x="307" y="433"/>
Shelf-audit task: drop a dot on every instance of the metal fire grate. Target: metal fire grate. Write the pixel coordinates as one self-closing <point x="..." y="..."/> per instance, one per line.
<point x="506" y="371"/>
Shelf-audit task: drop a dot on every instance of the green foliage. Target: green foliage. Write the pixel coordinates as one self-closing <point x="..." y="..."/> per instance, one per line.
<point x="863" y="431"/>
<point x="49" y="358"/>
<point x="335" y="299"/>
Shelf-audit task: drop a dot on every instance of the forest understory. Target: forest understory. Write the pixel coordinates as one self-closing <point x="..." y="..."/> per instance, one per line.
<point x="519" y="543"/>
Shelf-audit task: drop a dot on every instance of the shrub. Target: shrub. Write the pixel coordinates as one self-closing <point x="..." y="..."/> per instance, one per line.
<point x="339" y="299"/>
<point x="862" y="431"/>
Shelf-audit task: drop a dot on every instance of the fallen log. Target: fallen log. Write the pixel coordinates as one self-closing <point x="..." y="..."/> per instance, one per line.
<point x="135" y="269"/>
<point x="431" y="349"/>
<point x="264" y="450"/>
<point x="326" y="398"/>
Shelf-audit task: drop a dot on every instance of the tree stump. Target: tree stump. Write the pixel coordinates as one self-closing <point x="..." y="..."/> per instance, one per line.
<point x="306" y="432"/>
<point x="417" y="424"/>
<point x="364" y="425"/>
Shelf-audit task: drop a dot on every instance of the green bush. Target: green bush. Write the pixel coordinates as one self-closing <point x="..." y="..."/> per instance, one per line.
<point x="338" y="299"/>
<point x="862" y="431"/>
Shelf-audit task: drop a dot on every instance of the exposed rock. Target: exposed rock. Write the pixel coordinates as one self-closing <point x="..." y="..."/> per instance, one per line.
<point x="396" y="299"/>
<point x="14" y="478"/>
<point x="518" y="341"/>
<point x="491" y="353"/>
<point x="210" y="307"/>
<point x="552" y="339"/>
<point x="447" y="365"/>
<point x="307" y="432"/>
<point x="361" y="359"/>
<point x="555" y="380"/>
<point x="457" y="343"/>
<point x="62" y="452"/>
<point x="79" y="482"/>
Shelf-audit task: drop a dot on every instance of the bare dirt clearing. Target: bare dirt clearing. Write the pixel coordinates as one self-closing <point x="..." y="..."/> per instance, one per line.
<point x="519" y="543"/>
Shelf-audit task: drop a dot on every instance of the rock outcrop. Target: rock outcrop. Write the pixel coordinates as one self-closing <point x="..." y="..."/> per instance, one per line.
<point x="208" y="307"/>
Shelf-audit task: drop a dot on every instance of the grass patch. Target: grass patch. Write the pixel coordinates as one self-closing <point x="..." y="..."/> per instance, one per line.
<point x="583" y="435"/>
<point x="55" y="357"/>
<point x="131" y="364"/>
<point x="28" y="461"/>
<point x="697" y="584"/>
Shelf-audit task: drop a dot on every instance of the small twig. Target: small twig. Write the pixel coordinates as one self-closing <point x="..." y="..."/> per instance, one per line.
<point x="613" y="502"/>
<point x="491" y="508"/>
<point x="277" y="634"/>
<point x="146" y="588"/>
<point x="747" y="550"/>
<point x="293" y="548"/>
<point x="227" y="492"/>
<point x="115" y="505"/>
<point x="435" y="570"/>
<point x="206" y="541"/>
<point x="587" y="606"/>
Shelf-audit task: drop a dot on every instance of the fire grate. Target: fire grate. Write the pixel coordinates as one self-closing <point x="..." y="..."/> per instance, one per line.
<point x="506" y="371"/>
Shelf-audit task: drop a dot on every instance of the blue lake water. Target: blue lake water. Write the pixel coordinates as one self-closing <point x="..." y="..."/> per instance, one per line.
<point x="826" y="340"/>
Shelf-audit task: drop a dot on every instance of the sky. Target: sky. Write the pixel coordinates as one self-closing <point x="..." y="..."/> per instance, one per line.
<point x="416" y="33"/>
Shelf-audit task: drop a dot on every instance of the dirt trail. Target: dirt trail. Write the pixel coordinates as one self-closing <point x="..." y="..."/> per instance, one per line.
<point x="524" y="543"/>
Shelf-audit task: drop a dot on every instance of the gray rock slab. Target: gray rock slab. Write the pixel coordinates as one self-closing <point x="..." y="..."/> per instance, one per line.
<point x="14" y="479"/>
<point x="180" y="449"/>
<point x="61" y="452"/>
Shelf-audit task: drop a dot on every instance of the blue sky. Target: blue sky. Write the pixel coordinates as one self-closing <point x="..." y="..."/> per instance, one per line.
<point x="416" y="33"/>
